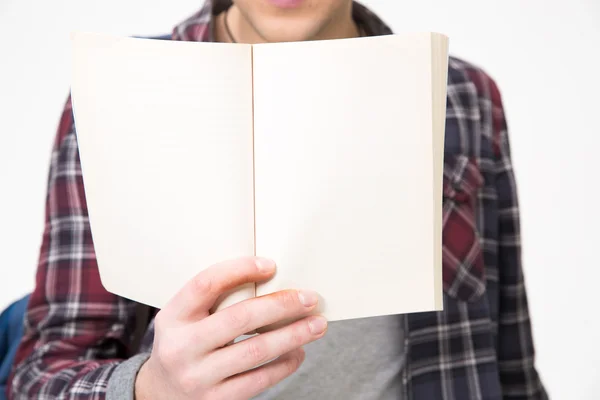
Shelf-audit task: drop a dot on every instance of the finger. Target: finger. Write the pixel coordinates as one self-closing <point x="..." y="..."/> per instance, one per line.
<point x="200" y="293"/>
<point x="256" y="381"/>
<point x="258" y="350"/>
<point x="246" y="316"/>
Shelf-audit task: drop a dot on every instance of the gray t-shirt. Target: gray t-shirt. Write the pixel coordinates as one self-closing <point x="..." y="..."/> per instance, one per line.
<point x="359" y="359"/>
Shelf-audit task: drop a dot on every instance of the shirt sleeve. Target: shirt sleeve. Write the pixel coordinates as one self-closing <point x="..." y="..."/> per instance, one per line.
<point x="76" y="333"/>
<point x="516" y="354"/>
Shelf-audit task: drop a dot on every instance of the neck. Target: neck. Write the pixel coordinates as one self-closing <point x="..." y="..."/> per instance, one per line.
<point x="342" y="26"/>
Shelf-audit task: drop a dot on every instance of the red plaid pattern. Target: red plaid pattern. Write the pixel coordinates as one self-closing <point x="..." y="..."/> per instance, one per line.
<point x="463" y="274"/>
<point x="479" y="347"/>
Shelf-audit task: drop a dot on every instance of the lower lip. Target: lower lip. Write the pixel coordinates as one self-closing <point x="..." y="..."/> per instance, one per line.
<point x="286" y="3"/>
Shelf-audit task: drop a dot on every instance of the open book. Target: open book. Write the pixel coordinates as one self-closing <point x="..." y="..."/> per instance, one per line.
<point x="325" y="156"/>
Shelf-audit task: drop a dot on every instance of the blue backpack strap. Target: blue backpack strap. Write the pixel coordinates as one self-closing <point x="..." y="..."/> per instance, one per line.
<point x="161" y="37"/>
<point x="11" y="331"/>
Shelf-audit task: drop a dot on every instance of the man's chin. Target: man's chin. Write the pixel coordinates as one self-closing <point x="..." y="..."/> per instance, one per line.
<point x="290" y="32"/>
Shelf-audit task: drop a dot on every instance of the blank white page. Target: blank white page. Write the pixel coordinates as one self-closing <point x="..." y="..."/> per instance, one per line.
<point x="165" y="138"/>
<point x="344" y="172"/>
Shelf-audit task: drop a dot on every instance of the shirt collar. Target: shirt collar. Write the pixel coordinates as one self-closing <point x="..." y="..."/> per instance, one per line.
<point x="199" y="27"/>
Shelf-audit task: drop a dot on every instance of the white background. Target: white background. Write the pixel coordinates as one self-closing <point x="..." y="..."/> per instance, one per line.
<point x="543" y="54"/>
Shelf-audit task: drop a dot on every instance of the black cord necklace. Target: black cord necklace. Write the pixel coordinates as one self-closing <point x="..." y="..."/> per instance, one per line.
<point x="227" y="29"/>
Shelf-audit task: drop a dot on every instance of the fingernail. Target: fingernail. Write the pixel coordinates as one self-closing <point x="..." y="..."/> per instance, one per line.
<point x="265" y="265"/>
<point x="317" y="325"/>
<point x="308" y="298"/>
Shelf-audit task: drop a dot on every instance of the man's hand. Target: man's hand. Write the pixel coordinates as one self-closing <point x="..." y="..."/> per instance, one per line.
<point x="190" y="359"/>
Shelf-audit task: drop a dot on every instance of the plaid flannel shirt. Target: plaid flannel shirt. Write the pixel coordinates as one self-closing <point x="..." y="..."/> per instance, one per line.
<point x="479" y="347"/>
